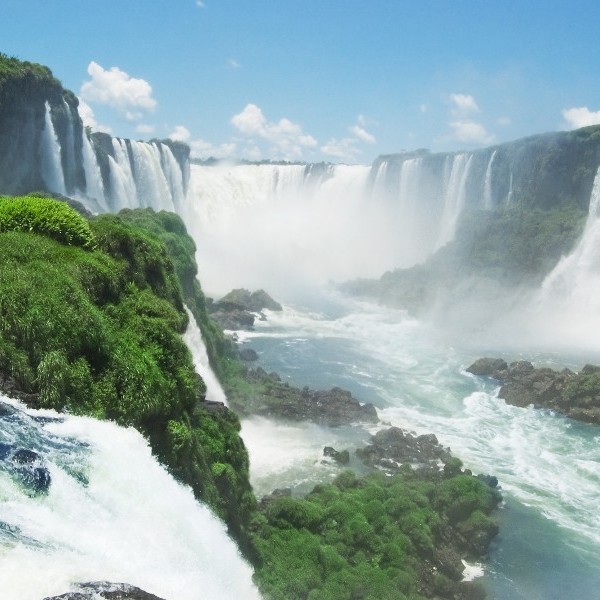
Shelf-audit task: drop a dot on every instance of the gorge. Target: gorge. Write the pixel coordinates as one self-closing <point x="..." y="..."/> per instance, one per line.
<point x="462" y="254"/>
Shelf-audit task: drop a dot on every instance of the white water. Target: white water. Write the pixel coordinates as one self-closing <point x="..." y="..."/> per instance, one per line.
<point x="194" y="341"/>
<point x="454" y="198"/>
<point x="124" y="190"/>
<point x="487" y="184"/>
<point x="51" y="166"/>
<point x="548" y="466"/>
<point x="93" y="177"/>
<point x="112" y="513"/>
<point x="150" y="180"/>
<point x="254" y="221"/>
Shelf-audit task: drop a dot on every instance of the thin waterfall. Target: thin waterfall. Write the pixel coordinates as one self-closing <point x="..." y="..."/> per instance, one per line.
<point x="487" y="185"/>
<point x="151" y="184"/>
<point x="195" y="343"/>
<point x="51" y="165"/>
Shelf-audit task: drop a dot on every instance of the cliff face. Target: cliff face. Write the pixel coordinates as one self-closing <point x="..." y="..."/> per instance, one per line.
<point x="26" y="90"/>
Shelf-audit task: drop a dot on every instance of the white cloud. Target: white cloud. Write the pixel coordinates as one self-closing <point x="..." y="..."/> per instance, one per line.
<point x="89" y="119"/>
<point x="344" y="149"/>
<point x="423" y="108"/>
<point x="233" y="64"/>
<point x="200" y="148"/>
<point x="362" y="134"/>
<point x="463" y="104"/>
<point x="580" y="117"/>
<point x="504" y="121"/>
<point x="469" y="132"/>
<point x="200" y="4"/>
<point x="286" y="138"/>
<point x="115" y="88"/>
<point x="145" y="128"/>
<point x="180" y="134"/>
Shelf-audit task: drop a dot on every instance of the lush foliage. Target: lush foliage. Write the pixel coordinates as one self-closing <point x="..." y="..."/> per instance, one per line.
<point x="99" y="333"/>
<point x="372" y="538"/>
<point x="42" y="215"/>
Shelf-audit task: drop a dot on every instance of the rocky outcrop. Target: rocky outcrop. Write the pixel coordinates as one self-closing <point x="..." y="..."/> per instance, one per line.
<point x="238" y="309"/>
<point x="391" y="448"/>
<point x="270" y="397"/>
<point x="105" y="590"/>
<point x="576" y="395"/>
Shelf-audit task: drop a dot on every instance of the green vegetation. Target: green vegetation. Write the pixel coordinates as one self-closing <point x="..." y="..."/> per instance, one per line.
<point x="42" y="215"/>
<point x="371" y="538"/>
<point x="20" y="79"/>
<point x="95" y="328"/>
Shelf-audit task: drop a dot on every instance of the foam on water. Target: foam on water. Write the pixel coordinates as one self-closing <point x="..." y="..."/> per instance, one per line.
<point x="111" y="513"/>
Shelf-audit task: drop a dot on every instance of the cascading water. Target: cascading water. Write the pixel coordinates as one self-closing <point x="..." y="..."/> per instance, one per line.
<point x="454" y="198"/>
<point x="50" y="158"/>
<point x="194" y="341"/>
<point x="124" y="191"/>
<point x="93" y="176"/>
<point x="151" y="184"/>
<point x="488" y="203"/>
<point x="323" y="228"/>
<point x="111" y="512"/>
<point x="173" y="175"/>
<point x="572" y="289"/>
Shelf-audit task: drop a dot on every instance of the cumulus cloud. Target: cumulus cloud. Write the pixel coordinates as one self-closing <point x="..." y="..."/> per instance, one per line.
<point x="89" y="119"/>
<point x="470" y="132"/>
<point x="362" y="134"/>
<point x="199" y="148"/>
<point x="463" y="104"/>
<point x="286" y="138"/>
<point x="115" y="88"/>
<point x="580" y="117"/>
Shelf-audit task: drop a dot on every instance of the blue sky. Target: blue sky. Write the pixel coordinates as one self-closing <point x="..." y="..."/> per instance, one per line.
<point x="334" y="80"/>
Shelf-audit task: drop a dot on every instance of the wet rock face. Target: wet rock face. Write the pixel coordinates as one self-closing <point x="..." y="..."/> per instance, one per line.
<point x="105" y="590"/>
<point x="576" y="395"/>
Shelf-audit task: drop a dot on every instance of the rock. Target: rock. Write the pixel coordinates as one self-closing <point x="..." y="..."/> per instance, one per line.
<point x="576" y="395"/>
<point x="234" y="319"/>
<point x="276" y="399"/>
<point x="343" y="457"/>
<point x="30" y="469"/>
<point x="487" y="367"/>
<point x="248" y="354"/>
<point x="105" y="590"/>
<point x="391" y="448"/>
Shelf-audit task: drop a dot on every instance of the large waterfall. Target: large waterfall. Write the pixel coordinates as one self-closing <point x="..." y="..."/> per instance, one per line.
<point x="111" y="512"/>
<point x="52" y="171"/>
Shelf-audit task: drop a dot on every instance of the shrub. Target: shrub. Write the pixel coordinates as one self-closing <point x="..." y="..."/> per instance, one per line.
<point x="45" y="216"/>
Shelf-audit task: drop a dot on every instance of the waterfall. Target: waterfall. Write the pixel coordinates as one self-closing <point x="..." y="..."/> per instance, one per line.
<point x="194" y="341"/>
<point x="454" y="198"/>
<point x="111" y="512"/>
<point x="51" y="166"/>
<point x="93" y="177"/>
<point x="151" y="184"/>
<point x="575" y="281"/>
<point x="252" y="222"/>
<point x="124" y="192"/>
<point x="173" y="175"/>
<point x="69" y="150"/>
<point x="487" y="184"/>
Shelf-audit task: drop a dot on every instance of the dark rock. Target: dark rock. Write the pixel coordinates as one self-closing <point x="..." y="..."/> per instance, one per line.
<point x="576" y="395"/>
<point x="490" y="480"/>
<point x="274" y="495"/>
<point x="391" y="448"/>
<point x="24" y="456"/>
<point x="234" y="319"/>
<point x="105" y="590"/>
<point x="343" y="457"/>
<point x="487" y="367"/>
<point x="6" y="410"/>
<point x="248" y="354"/>
<point x="277" y="399"/>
